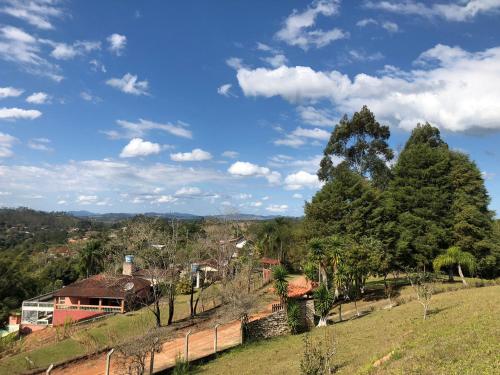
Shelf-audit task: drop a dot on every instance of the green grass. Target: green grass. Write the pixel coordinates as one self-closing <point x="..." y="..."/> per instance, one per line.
<point x="117" y="328"/>
<point x="461" y="336"/>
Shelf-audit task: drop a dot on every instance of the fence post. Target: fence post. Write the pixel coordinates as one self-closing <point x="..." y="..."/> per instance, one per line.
<point x="215" y="337"/>
<point x="49" y="369"/>
<point x="241" y="331"/>
<point x="108" y="360"/>
<point x="186" y="349"/>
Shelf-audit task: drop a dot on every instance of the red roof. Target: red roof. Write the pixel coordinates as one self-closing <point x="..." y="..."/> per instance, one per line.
<point x="269" y="261"/>
<point x="104" y="286"/>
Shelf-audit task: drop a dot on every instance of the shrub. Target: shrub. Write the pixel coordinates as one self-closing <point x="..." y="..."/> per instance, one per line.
<point x="181" y="366"/>
<point x="293" y="316"/>
<point x="318" y="354"/>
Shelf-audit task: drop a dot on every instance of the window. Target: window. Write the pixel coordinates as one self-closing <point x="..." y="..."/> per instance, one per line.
<point x="62" y="300"/>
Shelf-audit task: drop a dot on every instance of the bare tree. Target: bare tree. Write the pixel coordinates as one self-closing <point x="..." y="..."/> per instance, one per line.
<point x="154" y="244"/>
<point x="423" y="284"/>
<point x="133" y="355"/>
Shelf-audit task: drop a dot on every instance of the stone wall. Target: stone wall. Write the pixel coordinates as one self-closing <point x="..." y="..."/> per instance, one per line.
<point x="276" y="323"/>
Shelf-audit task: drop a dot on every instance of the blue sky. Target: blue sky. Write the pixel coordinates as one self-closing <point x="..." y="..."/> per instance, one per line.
<point x="210" y="107"/>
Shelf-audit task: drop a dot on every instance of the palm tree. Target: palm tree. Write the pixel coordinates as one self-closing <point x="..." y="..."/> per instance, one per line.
<point x="323" y="302"/>
<point x="91" y="258"/>
<point x="455" y="256"/>
<point x="281" y="283"/>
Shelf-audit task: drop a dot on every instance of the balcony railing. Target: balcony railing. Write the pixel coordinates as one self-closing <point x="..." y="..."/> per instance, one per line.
<point x="102" y="308"/>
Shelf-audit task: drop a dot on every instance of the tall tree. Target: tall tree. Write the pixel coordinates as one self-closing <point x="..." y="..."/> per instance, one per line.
<point x="361" y="143"/>
<point x="342" y="207"/>
<point x="422" y="195"/>
<point x="472" y="221"/>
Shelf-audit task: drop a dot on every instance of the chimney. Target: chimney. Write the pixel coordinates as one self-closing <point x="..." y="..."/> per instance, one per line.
<point x="128" y="265"/>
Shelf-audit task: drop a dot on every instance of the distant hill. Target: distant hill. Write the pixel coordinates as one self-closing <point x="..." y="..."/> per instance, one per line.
<point x="114" y="217"/>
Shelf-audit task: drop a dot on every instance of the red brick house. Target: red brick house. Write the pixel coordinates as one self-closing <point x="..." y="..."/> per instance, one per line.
<point x="97" y="295"/>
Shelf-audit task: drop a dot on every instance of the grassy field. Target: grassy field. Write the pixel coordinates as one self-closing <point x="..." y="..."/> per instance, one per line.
<point x="114" y="329"/>
<point x="460" y="336"/>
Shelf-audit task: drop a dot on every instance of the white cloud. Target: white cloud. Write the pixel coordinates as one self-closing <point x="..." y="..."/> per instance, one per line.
<point x="62" y="202"/>
<point x="139" y="147"/>
<point x="102" y="178"/>
<point x="461" y="11"/>
<point x="117" y="43"/>
<point x="277" y="208"/>
<point x="188" y="192"/>
<point x="440" y="91"/>
<point x="129" y="84"/>
<point x="301" y="180"/>
<point x="391" y="27"/>
<point x="97" y="66"/>
<point x="276" y="60"/>
<point x="87" y="96"/>
<point x="6" y="92"/>
<point x="316" y="116"/>
<point x="165" y="199"/>
<point x="284" y="161"/>
<point x="225" y="90"/>
<point x="243" y="196"/>
<point x="230" y="154"/>
<point x="40" y="144"/>
<point x="63" y="51"/>
<point x="366" y="21"/>
<point x="315" y="133"/>
<point x="297" y="196"/>
<point x="297" y="30"/>
<point x="38" y="98"/>
<point x="23" y="49"/>
<point x="235" y="62"/>
<point x="6" y="143"/>
<point x="361" y="55"/>
<point x="142" y="127"/>
<point x="299" y="137"/>
<point x="19" y="113"/>
<point x="196" y="155"/>
<point x="246" y="169"/>
<point x="37" y="13"/>
<point x="86" y="199"/>
<point x="256" y="204"/>
<point x="264" y="47"/>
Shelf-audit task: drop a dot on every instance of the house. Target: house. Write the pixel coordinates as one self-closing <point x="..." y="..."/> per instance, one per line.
<point x="12" y="326"/>
<point x="98" y="295"/>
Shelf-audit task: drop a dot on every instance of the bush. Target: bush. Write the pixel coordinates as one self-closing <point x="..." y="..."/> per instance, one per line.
<point x="293" y="316"/>
<point x="181" y="366"/>
<point x="184" y="285"/>
<point x="318" y="354"/>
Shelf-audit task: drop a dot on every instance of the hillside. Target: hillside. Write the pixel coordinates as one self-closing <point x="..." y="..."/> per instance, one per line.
<point x="460" y="337"/>
<point x="21" y="224"/>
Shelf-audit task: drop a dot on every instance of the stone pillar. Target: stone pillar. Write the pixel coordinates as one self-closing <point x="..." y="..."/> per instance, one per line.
<point x="197" y="279"/>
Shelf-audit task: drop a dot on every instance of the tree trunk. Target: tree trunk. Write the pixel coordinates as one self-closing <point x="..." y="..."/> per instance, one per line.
<point x="191" y="300"/>
<point x="340" y="312"/>
<point x="461" y="275"/>
<point x="157" y="313"/>
<point x="450" y="275"/>
<point x="171" y="304"/>
<point x="322" y="322"/>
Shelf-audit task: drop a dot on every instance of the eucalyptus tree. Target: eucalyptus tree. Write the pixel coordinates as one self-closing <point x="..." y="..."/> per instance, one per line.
<point x="360" y="142"/>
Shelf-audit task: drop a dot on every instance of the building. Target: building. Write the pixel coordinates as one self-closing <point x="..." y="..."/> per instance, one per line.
<point x="37" y="313"/>
<point x="97" y="295"/>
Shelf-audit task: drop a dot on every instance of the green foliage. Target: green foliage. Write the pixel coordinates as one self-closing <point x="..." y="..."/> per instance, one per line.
<point x="455" y="256"/>
<point x="280" y="275"/>
<point x="293" y="316"/>
<point x="323" y="301"/>
<point x="91" y="258"/>
<point x="342" y="207"/>
<point x="318" y="353"/>
<point x="361" y="142"/>
<point x="181" y="366"/>
<point x="422" y="193"/>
